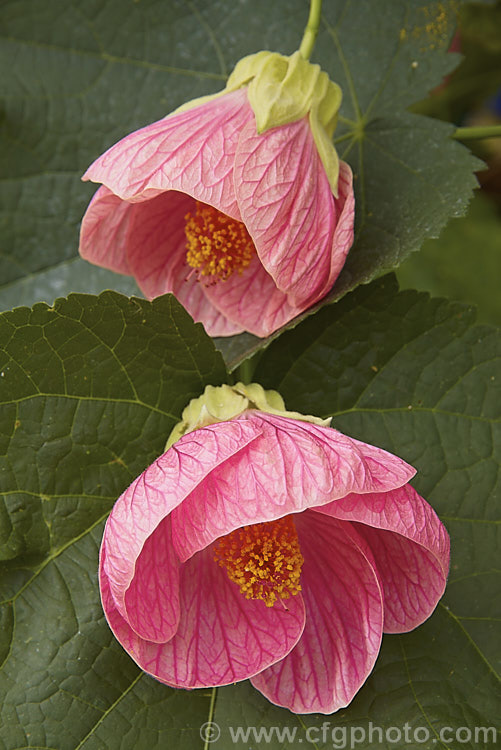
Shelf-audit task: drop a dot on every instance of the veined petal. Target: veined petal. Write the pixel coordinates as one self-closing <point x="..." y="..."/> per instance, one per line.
<point x="104" y="231"/>
<point x="156" y="251"/>
<point x="344" y="621"/>
<point x="122" y="631"/>
<point x="287" y="205"/>
<point x="410" y="547"/>
<point x="192" y="151"/>
<point x="345" y="208"/>
<point x="152" y="599"/>
<point x="157" y="491"/>
<point x="156" y="242"/>
<point x="413" y="578"/>
<point x="221" y="638"/>
<point x="292" y="465"/>
<point x="252" y="301"/>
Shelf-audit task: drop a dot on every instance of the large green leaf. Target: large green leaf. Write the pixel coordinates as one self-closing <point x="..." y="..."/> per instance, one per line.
<point x="86" y="73"/>
<point x="464" y="263"/>
<point x="89" y="391"/>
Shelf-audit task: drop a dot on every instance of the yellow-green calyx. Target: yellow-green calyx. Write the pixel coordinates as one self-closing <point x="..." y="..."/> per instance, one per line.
<point x="282" y="89"/>
<point x="224" y="402"/>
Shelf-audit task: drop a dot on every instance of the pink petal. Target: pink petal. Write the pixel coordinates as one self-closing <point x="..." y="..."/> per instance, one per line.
<point x="152" y="599"/>
<point x="156" y="242"/>
<point x="345" y="207"/>
<point x="291" y="466"/>
<point x="156" y="249"/>
<point x="222" y="637"/>
<point x="286" y="203"/>
<point x="104" y="230"/>
<point x="344" y="620"/>
<point x="191" y="151"/>
<point x="192" y="296"/>
<point x="146" y="240"/>
<point x="252" y="300"/>
<point x="157" y="491"/>
<point x="410" y="546"/>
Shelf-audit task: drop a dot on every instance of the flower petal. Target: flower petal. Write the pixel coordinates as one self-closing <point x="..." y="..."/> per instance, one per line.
<point x="291" y="466"/>
<point x="252" y="301"/>
<point x="413" y="578"/>
<point x="192" y="296"/>
<point x="156" y="242"/>
<point x="104" y="231"/>
<point x="222" y="637"/>
<point x="345" y="207"/>
<point x="152" y="599"/>
<point x="159" y="489"/>
<point x="287" y="205"/>
<point x="156" y="251"/>
<point x="120" y="627"/>
<point x="410" y="546"/>
<point x="344" y="621"/>
<point x="192" y="151"/>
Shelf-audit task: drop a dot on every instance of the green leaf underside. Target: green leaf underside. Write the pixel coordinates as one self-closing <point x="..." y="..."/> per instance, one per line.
<point x="82" y="414"/>
<point x="75" y="275"/>
<point x="89" y="73"/>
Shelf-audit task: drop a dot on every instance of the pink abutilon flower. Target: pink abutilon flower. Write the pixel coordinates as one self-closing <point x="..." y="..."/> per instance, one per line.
<point x="235" y="203"/>
<point x="270" y="548"/>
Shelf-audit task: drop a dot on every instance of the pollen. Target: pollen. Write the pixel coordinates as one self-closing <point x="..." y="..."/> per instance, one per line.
<point x="264" y="560"/>
<point x="216" y="245"/>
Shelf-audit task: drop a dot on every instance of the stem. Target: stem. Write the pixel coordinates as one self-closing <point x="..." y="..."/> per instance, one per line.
<point x="311" y="30"/>
<point x="210" y="719"/>
<point x="475" y="133"/>
<point x="244" y="372"/>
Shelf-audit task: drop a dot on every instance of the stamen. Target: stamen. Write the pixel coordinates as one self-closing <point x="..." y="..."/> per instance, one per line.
<point x="216" y="245"/>
<point x="264" y="560"/>
<point x="190" y="274"/>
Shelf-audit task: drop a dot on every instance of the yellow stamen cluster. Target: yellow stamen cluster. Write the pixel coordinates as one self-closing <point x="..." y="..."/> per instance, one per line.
<point x="216" y="245"/>
<point x="263" y="559"/>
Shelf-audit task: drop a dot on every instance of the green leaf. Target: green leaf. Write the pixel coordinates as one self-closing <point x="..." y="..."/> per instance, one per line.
<point x="87" y="73"/>
<point x="89" y="391"/>
<point x="75" y="274"/>
<point x="411" y="178"/>
<point x="464" y="263"/>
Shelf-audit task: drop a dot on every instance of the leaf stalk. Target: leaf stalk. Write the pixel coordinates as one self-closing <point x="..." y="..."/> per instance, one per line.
<point x="477" y="133"/>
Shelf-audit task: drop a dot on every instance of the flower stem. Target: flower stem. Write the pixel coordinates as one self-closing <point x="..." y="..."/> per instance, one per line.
<point x="476" y="133"/>
<point x="245" y="370"/>
<point x="311" y="30"/>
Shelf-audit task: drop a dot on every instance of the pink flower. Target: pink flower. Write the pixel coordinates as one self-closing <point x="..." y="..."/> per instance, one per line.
<point x="243" y="227"/>
<point x="274" y="549"/>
